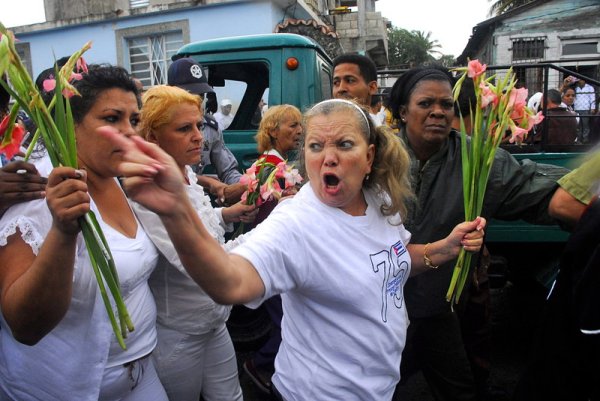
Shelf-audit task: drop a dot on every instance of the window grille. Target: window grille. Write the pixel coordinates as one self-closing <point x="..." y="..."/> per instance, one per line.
<point x="138" y="3"/>
<point x="528" y="49"/>
<point x="150" y="56"/>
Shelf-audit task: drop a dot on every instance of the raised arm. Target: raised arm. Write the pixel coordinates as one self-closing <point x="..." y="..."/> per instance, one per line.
<point x="153" y="180"/>
<point x="36" y="291"/>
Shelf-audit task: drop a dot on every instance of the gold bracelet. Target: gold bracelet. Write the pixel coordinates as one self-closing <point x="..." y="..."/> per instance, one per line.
<point x="427" y="260"/>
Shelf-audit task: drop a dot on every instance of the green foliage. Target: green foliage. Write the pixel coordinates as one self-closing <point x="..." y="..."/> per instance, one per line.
<point x="410" y="48"/>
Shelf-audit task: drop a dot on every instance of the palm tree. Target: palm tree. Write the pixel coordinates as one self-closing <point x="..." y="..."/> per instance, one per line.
<point x="501" y="6"/>
<point x="424" y="46"/>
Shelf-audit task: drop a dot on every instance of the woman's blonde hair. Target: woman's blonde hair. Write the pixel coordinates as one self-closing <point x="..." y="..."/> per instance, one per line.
<point x="391" y="163"/>
<point x="158" y="106"/>
<point x="270" y="122"/>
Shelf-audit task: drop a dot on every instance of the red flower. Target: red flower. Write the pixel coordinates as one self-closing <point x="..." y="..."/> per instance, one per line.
<point x="11" y="142"/>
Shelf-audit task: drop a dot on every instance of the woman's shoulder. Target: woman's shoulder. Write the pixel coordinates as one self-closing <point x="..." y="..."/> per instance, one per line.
<point x="32" y="219"/>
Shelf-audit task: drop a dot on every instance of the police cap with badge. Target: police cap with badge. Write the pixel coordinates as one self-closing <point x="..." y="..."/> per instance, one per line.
<point x="187" y="74"/>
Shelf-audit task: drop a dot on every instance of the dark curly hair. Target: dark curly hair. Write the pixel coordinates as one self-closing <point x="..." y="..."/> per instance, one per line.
<point x="99" y="78"/>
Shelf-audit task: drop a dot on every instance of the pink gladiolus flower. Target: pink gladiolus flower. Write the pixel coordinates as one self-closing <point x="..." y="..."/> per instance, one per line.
<point x="487" y="96"/>
<point x="68" y="93"/>
<point x="518" y="134"/>
<point x="81" y="65"/>
<point x="244" y="197"/>
<point x="518" y="97"/>
<point x="250" y="182"/>
<point x="281" y="169"/>
<point x="252" y="170"/>
<point x="534" y="119"/>
<point x="49" y="84"/>
<point x="11" y="148"/>
<point x="269" y="190"/>
<point x="475" y="68"/>
<point x="265" y="191"/>
<point x="518" y="102"/>
<point x="292" y="177"/>
<point x="75" y="76"/>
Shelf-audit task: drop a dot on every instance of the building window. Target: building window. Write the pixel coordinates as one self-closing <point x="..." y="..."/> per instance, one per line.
<point x="528" y="49"/>
<point x="146" y="50"/>
<point x="138" y="3"/>
<point x="24" y="52"/>
<point x="150" y="56"/>
<point x="589" y="47"/>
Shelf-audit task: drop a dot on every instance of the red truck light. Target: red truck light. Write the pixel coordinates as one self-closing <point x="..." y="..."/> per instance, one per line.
<point x="292" y="63"/>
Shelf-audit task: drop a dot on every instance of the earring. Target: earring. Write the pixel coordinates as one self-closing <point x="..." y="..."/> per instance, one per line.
<point x="404" y="120"/>
<point x="367" y="177"/>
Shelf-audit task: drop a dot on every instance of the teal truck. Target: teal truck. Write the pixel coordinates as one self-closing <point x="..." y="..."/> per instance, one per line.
<point x="287" y="68"/>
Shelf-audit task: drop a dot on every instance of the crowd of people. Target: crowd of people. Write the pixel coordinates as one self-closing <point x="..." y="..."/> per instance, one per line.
<point x="353" y="266"/>
<point x="571" y="112"/>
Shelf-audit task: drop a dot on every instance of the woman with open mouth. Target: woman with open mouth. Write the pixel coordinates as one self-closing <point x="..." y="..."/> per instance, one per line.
<point x="337" y="252"/>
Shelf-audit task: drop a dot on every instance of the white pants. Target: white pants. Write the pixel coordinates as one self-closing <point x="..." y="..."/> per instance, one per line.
<point x="136" y="382"/>
<point x="191" y="365"/>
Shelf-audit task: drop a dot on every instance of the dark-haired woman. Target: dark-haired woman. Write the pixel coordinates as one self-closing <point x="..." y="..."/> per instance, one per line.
<point x="421" y="99"/>
<point x="57" y="342"/>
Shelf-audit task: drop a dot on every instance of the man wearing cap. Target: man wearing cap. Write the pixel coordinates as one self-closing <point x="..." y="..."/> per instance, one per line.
<point x="187" y="74"/>
<point x="224" y="117"/>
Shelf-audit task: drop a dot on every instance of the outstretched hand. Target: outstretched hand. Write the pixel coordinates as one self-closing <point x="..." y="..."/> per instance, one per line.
<point x="468" y="235"/>
<point x="149" y="175"/>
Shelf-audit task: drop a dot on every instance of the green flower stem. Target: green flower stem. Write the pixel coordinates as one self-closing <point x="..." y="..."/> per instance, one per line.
<point x="111" y="316"/>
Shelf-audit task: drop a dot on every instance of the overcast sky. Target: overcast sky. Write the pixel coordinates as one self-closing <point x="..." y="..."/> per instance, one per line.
<point x="450" y="22"/>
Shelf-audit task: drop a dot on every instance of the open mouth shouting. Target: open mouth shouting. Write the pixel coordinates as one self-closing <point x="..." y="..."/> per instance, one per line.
<point x="331" y="182"/>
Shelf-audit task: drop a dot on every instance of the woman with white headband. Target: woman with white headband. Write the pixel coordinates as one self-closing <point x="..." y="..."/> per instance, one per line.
<point x="337" y="253"/>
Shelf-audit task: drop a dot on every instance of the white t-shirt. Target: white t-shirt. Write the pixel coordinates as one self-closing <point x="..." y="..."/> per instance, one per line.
<point x="341" y="278"/>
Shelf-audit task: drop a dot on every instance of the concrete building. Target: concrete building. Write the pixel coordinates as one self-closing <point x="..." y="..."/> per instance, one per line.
<point x="142" y="35"/>
<point x="562" y="32"/>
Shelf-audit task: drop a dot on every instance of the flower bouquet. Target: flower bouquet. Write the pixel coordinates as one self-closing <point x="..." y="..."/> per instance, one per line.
<point x="262" y="183"/>
<point x="500" y="107"/>
<point x="55" y="125"/>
